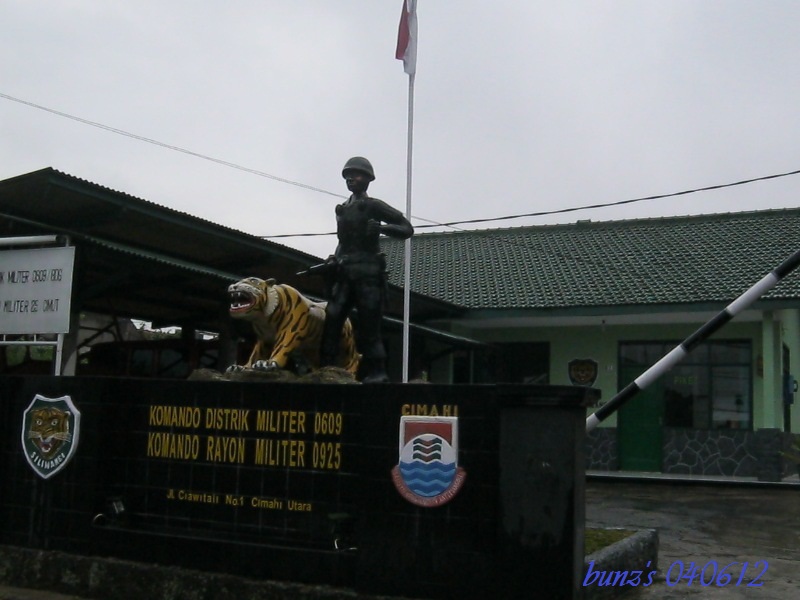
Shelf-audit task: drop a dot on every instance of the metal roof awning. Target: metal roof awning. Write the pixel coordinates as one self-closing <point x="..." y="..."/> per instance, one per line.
<point x="141" y="260"/>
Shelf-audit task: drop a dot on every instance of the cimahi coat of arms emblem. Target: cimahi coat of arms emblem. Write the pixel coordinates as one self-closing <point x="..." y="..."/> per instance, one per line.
<point x="50" y="431"/>
<point x="427" y="473"/>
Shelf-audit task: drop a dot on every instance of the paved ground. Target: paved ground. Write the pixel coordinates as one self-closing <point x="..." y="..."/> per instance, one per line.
<point x="696" y="523"/>
<point x="11" y="593"/>
<point x="701" y="523"/>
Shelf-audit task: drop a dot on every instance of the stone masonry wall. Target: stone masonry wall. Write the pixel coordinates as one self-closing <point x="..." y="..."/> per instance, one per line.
<point x="723" y="452"/>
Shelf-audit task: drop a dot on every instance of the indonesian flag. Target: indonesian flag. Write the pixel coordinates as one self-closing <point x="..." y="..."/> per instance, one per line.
<point x="407" y="37"/>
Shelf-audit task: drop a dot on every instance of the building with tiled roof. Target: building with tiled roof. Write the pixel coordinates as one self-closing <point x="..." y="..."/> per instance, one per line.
<point x="597" y="303"/>
<point x="675" y="261"/>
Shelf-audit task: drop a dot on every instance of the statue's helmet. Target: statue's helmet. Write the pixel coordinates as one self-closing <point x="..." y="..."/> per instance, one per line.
<point x="359" y="163"/>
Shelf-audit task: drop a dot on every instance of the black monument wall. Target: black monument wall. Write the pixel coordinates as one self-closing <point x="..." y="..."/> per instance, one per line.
<point x="295" y="482"/>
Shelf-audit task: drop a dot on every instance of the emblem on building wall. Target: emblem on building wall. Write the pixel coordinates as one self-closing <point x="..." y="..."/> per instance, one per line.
<point x="582" y="371"/>
<point x="427" y="473"/>
<point x="50" y="429"/>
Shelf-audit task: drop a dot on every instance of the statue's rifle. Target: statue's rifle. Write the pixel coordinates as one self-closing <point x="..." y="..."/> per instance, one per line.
<point x="678" y="353"/>
<point x="326" y="270"/>
<point x="323" y="269"/>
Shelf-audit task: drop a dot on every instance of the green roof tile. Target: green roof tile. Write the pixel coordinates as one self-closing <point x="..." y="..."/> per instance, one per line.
<point x="675" y="260"/>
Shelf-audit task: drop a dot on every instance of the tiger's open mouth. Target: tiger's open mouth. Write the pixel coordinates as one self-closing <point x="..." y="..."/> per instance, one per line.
<point x="241" y="301"/>
<point x="46" y="445"/>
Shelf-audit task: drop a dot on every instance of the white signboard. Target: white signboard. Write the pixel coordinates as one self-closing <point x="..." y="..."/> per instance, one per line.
<point x="35" y="290"/>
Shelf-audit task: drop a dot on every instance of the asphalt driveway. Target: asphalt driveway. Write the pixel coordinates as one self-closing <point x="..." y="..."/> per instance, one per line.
<point x="724" y="523"/>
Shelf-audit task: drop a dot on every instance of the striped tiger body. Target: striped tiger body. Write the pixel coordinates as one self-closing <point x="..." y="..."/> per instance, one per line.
<point x="285" y="322"/>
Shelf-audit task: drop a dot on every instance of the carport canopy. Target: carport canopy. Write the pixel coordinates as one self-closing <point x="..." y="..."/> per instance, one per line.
<point x="139" y="260"/>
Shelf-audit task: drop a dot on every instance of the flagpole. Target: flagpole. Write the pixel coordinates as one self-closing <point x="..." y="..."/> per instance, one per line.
<point x="407" y="260"/>
<point x="407" y="52"/>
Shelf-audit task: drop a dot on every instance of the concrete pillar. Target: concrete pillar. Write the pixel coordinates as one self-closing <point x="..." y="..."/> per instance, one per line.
<point x="69" y="351"/>
<point x="790" y="325"/>
<point x="228" y="342"/>
<point x="769" y="414"/>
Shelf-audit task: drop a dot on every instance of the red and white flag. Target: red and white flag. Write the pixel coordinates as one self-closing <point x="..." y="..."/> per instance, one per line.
<point x="407" y="37"/>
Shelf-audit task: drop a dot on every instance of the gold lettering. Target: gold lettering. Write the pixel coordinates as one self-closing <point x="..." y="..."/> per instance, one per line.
<point x="227" y="418"/>
<point x="281" y="421"/>
<point x="328" y="423"/>
<point x="326" y="455"/>
<point x="188" y="496"/>
<point x="225" y="449"/>
<point x="179" y="446"/>
<point x="268" y="503"/>
<point x="174" y="416"/>
<point x="299" y="506"/>
<point x="280" y="453"/>
<point x="234" y="500"/>
<point x="429" y="410"/>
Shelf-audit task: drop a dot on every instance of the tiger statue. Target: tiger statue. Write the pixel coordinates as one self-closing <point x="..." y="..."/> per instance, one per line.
<point x="285" y="323"/>
<point x="49" y="430"/>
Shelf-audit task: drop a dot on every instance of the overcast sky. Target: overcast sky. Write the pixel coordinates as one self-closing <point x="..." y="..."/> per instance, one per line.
<point x="519" y="106"/>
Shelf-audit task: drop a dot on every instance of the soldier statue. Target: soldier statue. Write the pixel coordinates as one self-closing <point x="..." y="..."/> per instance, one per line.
<point x="357" y="270"/>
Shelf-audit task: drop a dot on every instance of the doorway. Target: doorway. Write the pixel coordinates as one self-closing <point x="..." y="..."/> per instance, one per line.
<point x="640" y="434"/>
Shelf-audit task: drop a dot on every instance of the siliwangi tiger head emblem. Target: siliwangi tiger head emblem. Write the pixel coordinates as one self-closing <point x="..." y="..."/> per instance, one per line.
<point x="50" y="431"/>
<point x="583" y="371"/>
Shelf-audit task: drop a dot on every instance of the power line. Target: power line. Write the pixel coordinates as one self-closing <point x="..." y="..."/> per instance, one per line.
<point x="323" y="191"/>
<point x="572" y="209"/>
<point x="451" y="224"/>
<point x="431" y="224"/>
<point x="169" y="146"/>
<point x="190" y="153"/>
<point x="233" y="165"/>
<point x="618" y="203"/>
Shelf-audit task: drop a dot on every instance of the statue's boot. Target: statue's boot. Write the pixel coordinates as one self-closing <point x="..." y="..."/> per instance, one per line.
<point x="375" y="370"/>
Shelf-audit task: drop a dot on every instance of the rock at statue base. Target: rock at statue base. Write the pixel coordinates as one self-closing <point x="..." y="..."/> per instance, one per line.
<point x="328" y="375"/>
<point x="322" y="375"/>
<point x="243" y="375"/>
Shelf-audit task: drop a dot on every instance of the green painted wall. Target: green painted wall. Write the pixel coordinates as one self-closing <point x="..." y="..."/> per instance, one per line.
<point x="600" y="343"/>
<point x="790" y="334"/>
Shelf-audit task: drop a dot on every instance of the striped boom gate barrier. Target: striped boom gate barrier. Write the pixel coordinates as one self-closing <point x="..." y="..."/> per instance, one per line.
<point x="678" y="353"/>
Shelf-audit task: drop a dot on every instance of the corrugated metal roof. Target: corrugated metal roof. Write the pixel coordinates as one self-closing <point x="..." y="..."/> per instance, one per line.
<point x="676" y="260"/>
<point x="143" y="260"/>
